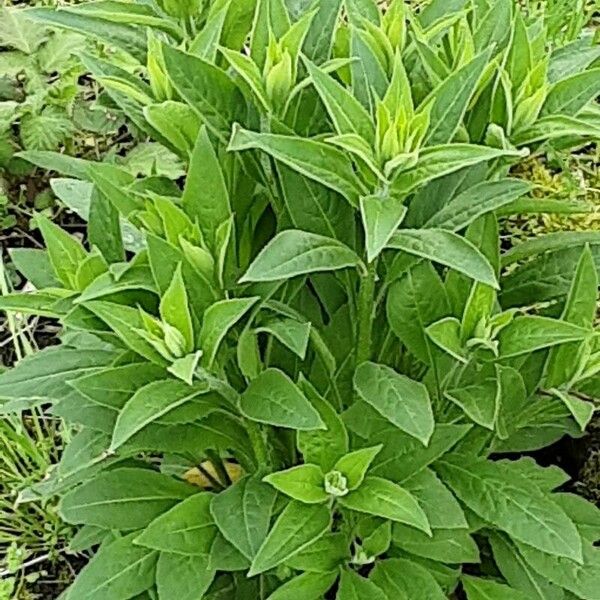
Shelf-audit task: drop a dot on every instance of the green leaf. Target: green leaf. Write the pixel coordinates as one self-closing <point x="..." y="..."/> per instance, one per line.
<point x="381" y="217"/>
<point x="580" y="309"/>
<point x="477" y="201"/>
<point x="414" y="302"/>
<point x="322" y="446"/>
<point x="446" y="248"/>
<point x="402" y="401"/>
<point x="298" y="526"/>
<point x="316" y="160"/>
<point x="478" y="588"/>
<point x="183" y="577"/>
<point x="151" y="403"/>
<point x="400" y="578"/>
<point x="518" y="573"/>
<point x="347" y="114"/>
<point x="570" y="95"/>
<point x="354" y="465"/>
<point x="43" y="377"/>
<point x="104" y="227"/>
<point x="66" y="253"/>
<point x="505" y="498"/>
<point x="308" y="586"/>
<point x="303" y="483"/>
<point x="124" y="36"/>
<point x="293" y="334"/>
<point x="119" y="569"/>
<point x="126" y="498"/>
<point x="218" y="319"/>
<point x="527" y="334"/>
<point x="451" y="546"/>
<point x="273" y="398"/>
<point x="451" y="99"/>
<point x="582" y="410"/>
<point x="243" y="514"/>
<point x="176" y="122"/>
<point x="322" y="556"/>
<point x="124" y="321"/>
<point x="436" y="500"/>
<point x="477" y="391"/>
<point x="437" y="161"/>
<point x="174" y="309"/>
<point x="186" y="529"/>
<point x="207" y="89"/>
<point x="354" y="587"/>
<point x="205" y="195"/>
<point x="291" y="253"/>
<point x="382" y="498"/>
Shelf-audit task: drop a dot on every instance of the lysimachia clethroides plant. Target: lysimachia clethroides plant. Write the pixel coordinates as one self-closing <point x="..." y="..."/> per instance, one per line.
<point x="307" y="370"/>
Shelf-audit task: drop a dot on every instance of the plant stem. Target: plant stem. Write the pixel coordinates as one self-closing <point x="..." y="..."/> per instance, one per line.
<point x="366" y="300"/>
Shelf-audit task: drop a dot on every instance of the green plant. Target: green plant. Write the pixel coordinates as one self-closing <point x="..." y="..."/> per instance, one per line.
<point x="324" y="308"/>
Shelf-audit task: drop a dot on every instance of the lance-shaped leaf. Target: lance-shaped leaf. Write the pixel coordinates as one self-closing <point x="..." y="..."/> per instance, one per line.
<point x="383" y="498"/>
<point x="437" y="161"/>
<point x="174" y="309"/>
<point x="402" y="401"/>
<point x="529" y="333"/>
<point x="273" y="398"/>
<point x="354" y="587"/>
<point x="477" y="201"/>
<point x="183" y="577"/>
<point x="451" y="99"/>
<point x="243" y="513"/>
<point x="293" y="252"/>
<point x="381" y="217"/>
<point x="401" y="578"/>
<point x="218" y="320"/>
<point x="205" y="195"/>
<point x="478" y="588"/>
<point x="120" y="569"/>
<point x="315" y="160"/>
<point x="151" y="403"/>
<point x="308" y="586"/>
<point x="570" y="95"/>
<point x="206" y="88"/>
<point x="296" y="528"/>
<point x="303" y="482"/>
<point x="580" y="309"/>
<point x="188" y="528"/>
<point x="448" y="249"/>
<point x="505" y="498"/>
<point x="126" y="498"/>
<point x="346" y="112"/>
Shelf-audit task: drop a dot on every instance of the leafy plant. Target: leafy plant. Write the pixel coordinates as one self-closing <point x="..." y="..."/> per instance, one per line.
<point x="297" y="376"/>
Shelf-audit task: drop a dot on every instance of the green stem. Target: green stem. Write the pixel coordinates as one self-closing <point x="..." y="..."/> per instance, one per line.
<point x="366" y="304"/>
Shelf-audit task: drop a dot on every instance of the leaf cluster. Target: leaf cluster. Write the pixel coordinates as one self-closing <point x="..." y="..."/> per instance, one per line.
<point x="306" y="371"/>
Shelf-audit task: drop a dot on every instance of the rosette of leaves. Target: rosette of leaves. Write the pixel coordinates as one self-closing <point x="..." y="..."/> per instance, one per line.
<point x="304" y="381"/>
